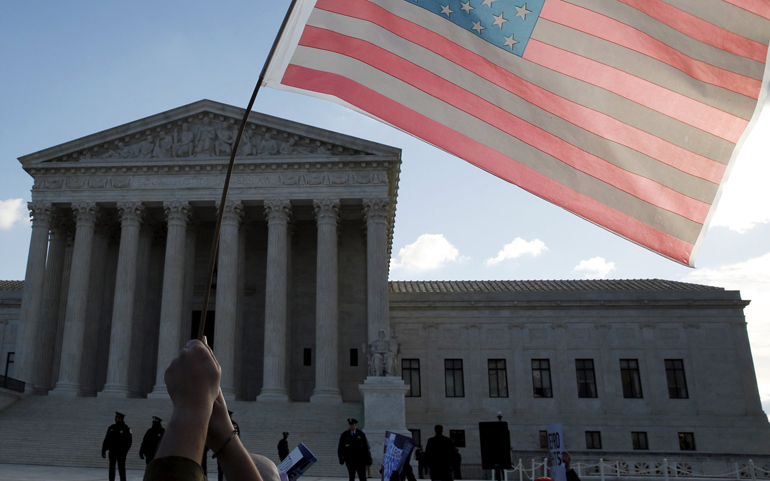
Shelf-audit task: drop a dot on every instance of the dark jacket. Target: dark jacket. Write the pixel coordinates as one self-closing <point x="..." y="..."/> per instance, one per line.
<point x="151" y="441"/>
<point x="283" y="449"/>
<point x="118" y="440"/>
<point x="439" y="453"/>
<point x="353" y="449"/>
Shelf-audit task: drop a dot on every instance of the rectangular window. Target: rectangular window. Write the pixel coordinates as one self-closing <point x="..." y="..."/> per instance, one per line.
<point x="410" y="373"/>
<point x="586" y="378"/>
<point x="632" y="381"/>
<point x="593" y="440"/>
<point x="677" y="385"/>
<point x="9" y="359"/>
<point x="416" y="436"/>
<point x="543" y="439"/>
<point x="458" y="437"/>
<point x="687" y="441"/>
<point x="639" y="440"/>
<point x="353" y="357"/>
<point x="453" y="375"/>
<point x="498" y="378"/>
<point x="307" y="357"/>
<point x="541" y="378"/>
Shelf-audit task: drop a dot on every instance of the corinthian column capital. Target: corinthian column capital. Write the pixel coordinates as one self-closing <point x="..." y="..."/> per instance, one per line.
<point x="131" y="212"/>
<point x="177" y="212"/>
<point x="40" y="212"/>
<point x="326" y="210"/>
<point x="376" y="209"/>
<point x="277" y="211"/>
<point x="233" y="211"/>
<point x="86" y="213"/>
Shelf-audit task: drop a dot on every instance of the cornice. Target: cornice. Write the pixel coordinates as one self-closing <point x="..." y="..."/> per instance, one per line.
<point x="567" y="305"/>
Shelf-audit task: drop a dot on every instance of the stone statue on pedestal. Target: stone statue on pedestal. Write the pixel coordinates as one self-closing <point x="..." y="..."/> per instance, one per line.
<point x="383" y="354"/>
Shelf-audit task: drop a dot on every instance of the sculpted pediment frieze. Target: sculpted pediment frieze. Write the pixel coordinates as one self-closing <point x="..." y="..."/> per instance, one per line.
<point x="207" y="136"/>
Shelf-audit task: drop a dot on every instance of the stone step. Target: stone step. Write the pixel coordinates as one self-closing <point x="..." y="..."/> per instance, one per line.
<point x="48" y="430"/>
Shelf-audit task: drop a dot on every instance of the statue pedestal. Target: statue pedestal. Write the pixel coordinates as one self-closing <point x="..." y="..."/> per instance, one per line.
<point x="384" y="410"/>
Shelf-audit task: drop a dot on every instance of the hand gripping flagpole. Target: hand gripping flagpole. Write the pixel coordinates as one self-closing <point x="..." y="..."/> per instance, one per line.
<point x="215" y="244"/>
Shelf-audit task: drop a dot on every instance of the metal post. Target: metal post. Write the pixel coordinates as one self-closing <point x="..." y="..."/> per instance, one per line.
<point x="665" y="468"/>
<point x="579" y="471"/>
<point x="676" y="470"/>
<point x="601" y="468"/>
<point x="617" y="468"/>
<point x="545" y="467"/>
<point x="752" y="471"/>
<point x="521" y="470"/>
<point x="737" y="471"/>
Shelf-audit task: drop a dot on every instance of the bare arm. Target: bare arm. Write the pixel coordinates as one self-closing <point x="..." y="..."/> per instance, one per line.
<point x="236" y="462"/>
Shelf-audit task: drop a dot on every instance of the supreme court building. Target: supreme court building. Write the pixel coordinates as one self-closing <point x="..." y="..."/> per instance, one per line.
<point x="122" y="227"/>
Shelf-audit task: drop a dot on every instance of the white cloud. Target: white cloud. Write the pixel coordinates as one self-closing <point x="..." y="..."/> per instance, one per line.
<point x="595" y="267"/>
<point x="518" y="248"/>
<point x="428" y="252"/>
<point x="752" y="278"/>
<point x="745" y="200"/>
<point x="11" y="212"/>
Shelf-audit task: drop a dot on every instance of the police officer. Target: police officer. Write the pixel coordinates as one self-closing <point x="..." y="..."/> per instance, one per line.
<point x="117" y="442"/>
<point x="353" y="451"/>
<point x="151" y="440"/>
<point x="283" y="446"/>
<point x="438" y="453"/>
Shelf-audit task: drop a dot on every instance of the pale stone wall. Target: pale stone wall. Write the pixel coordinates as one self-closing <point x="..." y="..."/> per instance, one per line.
<point x="705" y="329"/>
<point x="10" y="307"/>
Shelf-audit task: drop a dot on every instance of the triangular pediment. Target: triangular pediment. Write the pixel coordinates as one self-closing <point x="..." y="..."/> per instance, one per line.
<point x="207" y="130"/>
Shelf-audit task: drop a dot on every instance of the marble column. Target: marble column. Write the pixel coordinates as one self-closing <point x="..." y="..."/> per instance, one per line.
<point x="77" y="300"/>
<point x="123" y="305"/>
<point x="32" y="297"/>
<point x="376" y="212"/>
<point x="227" y="296"/>
<point x="274" y="370"/>
<point x="327" y="310"/>
<point x="170" y="336"/>
<point x="52" y="289"/>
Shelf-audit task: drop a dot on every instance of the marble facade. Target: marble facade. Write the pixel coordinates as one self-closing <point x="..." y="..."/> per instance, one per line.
<point x="124" y="219"/>
<point x="122" y="227"/>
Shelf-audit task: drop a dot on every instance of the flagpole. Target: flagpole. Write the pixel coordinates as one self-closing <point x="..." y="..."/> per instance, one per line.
<point x="215" y="244"/>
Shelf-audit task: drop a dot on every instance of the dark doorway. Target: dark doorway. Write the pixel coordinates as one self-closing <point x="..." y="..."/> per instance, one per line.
<point x="208" y="331"/>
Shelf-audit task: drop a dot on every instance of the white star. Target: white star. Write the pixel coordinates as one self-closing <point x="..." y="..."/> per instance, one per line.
<point x="522" y="11"/>
<point x="509" y="41"/>
<point x="488" y="3"/>
<point x="467" y="7"/>
<point x="477" y="26"/>
<point x="445" y="9"/>
<point x="499" y="21"/>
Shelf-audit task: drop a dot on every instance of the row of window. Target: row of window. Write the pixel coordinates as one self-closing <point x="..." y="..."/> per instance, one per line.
<point x="541" y="378"/>
<point x="638" y="440"/>
<point x="593" y="439"/>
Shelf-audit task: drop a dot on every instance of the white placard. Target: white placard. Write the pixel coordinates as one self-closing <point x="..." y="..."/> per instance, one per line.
<point x="555" y="448"/>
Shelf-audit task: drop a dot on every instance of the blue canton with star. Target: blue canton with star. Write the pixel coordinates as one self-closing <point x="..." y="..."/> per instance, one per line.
<point x="507" y="24"/>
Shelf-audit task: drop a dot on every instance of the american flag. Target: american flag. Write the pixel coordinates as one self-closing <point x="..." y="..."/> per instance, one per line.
<point x="627" y="113"/>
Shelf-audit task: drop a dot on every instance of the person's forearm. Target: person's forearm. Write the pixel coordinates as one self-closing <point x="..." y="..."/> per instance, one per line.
<point x="185" y="435"/>
<point x="236" y="462"/>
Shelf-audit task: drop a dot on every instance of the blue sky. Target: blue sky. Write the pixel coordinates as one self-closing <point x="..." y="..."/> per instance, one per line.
<point x="72" y="69"/>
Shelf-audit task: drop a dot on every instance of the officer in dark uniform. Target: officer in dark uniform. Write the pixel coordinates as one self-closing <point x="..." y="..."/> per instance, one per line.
<point x="220" y="474"/>
<point x="117" y="442"/>
<point x="353" y="451"/>
<point x="283" y="446"/>
<point x="151" y="440"/>
<point x="438" y="453"/>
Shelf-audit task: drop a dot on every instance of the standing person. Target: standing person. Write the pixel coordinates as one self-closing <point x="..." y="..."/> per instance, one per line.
<point x="117" y="442"/>
<point x="419" y="454"/>
<point x="237" y="430"/>
<point x="283" y="446"/>
<point x="151" y="440"/>
<point x="438" y="453"/>
<point x="353" y="451"/>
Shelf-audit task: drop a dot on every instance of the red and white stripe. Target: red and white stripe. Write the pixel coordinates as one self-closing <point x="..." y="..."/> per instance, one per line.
<point x="626" y="112"/>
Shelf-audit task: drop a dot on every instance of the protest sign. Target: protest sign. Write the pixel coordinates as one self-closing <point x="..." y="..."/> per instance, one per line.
<point x="397" y="451"/>
<point x="296" y="463"/>
<point x="555" y="448"/>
